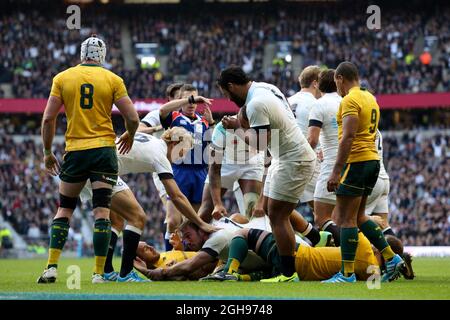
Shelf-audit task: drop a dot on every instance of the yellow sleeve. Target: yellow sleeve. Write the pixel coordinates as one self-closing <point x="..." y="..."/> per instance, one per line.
<point x="350" y="107"/>
<point x="120" y="90"/>
<point x="56" y="87"/>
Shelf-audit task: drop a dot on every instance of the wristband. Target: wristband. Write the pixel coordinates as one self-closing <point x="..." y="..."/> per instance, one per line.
<point x="191" y="99"/>
<point x="47" y="152"/>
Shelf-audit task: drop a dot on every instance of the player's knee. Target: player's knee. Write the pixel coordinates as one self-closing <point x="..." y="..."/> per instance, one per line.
<point x="101" y="198"/>
<point x="67" y="203"/>
<point x="139" y="219"/>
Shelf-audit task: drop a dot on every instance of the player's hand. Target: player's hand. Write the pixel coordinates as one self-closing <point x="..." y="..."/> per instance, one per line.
<point x="209" y="228"/>
<point x="230" y="123"/>
<point x="125" y="143"/>
<point x="258" y="211"/>
<point x="51" y="165"/>
<point x="200" y="99"/>
<point x="333" y="182"/>
<point x="175" y="241"/>
<point x="319" y="155"/>
<point x="140" y="265"/>
<point x="219" y="212"/>
<point x="207" y="114"/>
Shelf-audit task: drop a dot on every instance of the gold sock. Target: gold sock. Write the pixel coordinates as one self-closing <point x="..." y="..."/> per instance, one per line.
<point x="387" y="253"/>
<point x="349" y="268"/>
<point x="99" y="264"/>
<point x="234" y="266"/>
<point x="53" y="256"/>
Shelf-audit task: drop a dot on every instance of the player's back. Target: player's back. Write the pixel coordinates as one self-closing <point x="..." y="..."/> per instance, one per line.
<point x="361" y="103"/>
<point x="88" y="92"/>
<point x="302" y="103"/>
<point x="326" y="109"/>
<point x="320" y="263"/>
<point x="287" y="140"/>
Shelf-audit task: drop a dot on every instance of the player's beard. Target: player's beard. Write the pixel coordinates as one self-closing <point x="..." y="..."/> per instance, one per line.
<point x="236" y="99"/>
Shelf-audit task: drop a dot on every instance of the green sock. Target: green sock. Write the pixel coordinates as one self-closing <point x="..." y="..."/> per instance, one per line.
<point x="237" y="254"/>
<point x="349" y="244"/>
<point x="102" y="236"/>
<point x="375" y="235"/>
<point x="58" y="236"/>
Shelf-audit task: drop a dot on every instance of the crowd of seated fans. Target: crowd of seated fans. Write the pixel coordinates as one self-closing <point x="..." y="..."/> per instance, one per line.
<point x="419" y="168"/>
<point x="35" y="44"/>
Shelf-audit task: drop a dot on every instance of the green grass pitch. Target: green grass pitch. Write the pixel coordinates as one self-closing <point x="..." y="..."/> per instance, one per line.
<point x="18" y="281"/>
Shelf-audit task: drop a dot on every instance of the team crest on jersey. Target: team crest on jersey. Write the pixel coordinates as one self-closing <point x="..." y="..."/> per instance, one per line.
<point x="183" y="122"/>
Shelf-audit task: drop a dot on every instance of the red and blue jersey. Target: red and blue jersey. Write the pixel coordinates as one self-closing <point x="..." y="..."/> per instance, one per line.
<point x="197" y="126"/>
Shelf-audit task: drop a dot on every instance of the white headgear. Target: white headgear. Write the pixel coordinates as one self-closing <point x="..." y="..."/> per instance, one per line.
<point x="93" y="48"/>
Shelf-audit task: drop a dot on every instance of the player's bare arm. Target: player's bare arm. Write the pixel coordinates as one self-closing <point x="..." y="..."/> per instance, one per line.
<point x="131" y="117"/>
<point x="182" y="204"/>
<point x="148" y="130"/>
<point x="313" y="136"/>
<point x="184" y="268"/>
<point x="215" y="184"/>
<point x="178" y="103"/>
<point x="349" y="128"/>
<point x="48" y="128"/>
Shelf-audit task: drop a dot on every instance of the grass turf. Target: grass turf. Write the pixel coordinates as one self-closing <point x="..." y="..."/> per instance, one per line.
<point x="18" y="281"/>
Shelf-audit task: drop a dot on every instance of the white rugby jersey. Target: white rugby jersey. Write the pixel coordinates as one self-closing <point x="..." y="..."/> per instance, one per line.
<point x="302" y="103"/>
<point x="379" y="144"/>
<point x="235" y="150"/>
<point x="267" y="106"/>
<point x="152" y="119"/>
<point x="148" y="154"/>
<point x="325" y="112"/>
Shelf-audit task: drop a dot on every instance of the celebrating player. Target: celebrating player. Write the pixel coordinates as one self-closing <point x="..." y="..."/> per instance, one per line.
<point x="293" y="160"/>
<point x="88" y="92"/>
<point x="355" y="173"/>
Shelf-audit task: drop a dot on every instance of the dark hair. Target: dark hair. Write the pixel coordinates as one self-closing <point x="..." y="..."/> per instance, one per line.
<point x="232" y="74"/>
<point x="326" y="81"/>
<point x="172" y="89"/>
<point x="308" y="75"/>
<point x="348" y="71"/>
<point x="187" y="87"/>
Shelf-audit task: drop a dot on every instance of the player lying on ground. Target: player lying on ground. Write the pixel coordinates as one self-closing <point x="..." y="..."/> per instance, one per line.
<point x="213" y="248"/>
<point x="311" y="264"/>
<point x="148" y="154"/>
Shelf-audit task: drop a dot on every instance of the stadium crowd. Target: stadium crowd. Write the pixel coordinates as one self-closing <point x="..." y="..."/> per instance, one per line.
<point x="198" y="46"/>
<point x="419" y="168"/>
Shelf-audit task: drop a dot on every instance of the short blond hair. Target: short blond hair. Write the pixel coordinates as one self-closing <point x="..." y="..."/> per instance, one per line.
<point x="308" y="75"/>
<point x="180" y="135"/>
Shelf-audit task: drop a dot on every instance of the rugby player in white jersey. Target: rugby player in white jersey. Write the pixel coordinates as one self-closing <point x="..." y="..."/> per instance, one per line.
<point x="272" y="126"/>
<point x="302" y="103"/>
<point x="231" y="160"/>
<point x="150" y="154"/>
<point x="151" y="124"/>
<point x="377" y="206"/>
<point x="323" y="128"/>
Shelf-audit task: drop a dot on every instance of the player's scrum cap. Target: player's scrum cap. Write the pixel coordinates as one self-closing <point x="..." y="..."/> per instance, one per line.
<point x="93" y="48"/>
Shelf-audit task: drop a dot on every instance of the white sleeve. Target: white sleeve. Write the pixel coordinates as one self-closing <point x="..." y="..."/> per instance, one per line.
<point x="316" y="113"/>
<point x="257" y="114"/>
<point x="162" y="165"/>
<point x="152" y="119"/>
